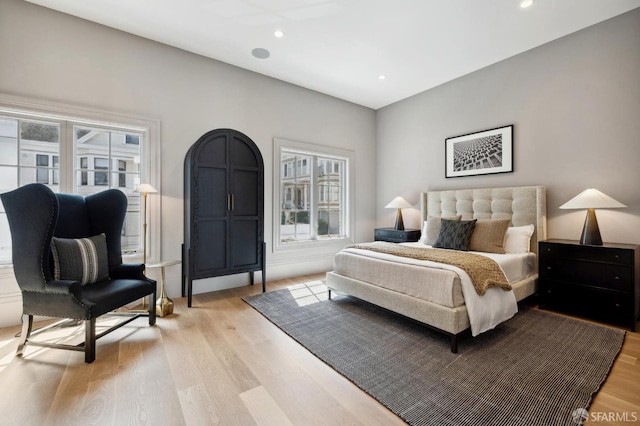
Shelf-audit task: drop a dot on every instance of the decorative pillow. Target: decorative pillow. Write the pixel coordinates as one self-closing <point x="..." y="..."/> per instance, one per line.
<point x="518" y="239"/>
<point x="455" y="234"/>
<point x="84" y="260"/>
<point x="432" y="228"/>
<point x="423" y="234"/>
<point x="488" y="235"/>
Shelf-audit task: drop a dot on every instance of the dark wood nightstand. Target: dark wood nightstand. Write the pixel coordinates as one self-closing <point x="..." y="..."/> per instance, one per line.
<point x="394" y="236"/>
<point x="599" y="282"/>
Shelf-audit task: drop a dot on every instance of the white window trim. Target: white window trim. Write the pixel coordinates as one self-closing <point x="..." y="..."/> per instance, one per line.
<point x="312" y="149"/>
<point x="27" y="107"/>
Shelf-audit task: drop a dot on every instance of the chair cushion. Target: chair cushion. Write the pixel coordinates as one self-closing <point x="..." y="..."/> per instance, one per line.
<point x="105" y="296"/>
<point x="84" y="259"/>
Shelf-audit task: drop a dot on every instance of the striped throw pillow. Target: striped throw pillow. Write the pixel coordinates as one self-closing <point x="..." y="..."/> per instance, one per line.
<point x="84" y="260"/>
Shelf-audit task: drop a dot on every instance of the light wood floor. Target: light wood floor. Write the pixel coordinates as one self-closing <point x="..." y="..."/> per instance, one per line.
<point x="219" y="362"/>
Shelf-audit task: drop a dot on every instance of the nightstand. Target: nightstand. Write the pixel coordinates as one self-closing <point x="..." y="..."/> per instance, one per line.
<point x="394" y="236"/>
<point x="599" y="282"/>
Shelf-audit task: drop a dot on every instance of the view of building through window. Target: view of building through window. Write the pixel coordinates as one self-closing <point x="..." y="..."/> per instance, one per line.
<point x="312" y="195"/>
<point x="37" y="151"/>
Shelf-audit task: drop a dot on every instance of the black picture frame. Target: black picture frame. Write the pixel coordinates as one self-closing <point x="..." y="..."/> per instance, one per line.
<point x="480" y="153"/>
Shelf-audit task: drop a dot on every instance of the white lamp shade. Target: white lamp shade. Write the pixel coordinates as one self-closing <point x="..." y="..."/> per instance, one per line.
<point x="398" y="203"/>
<point x="145" y="188"/>
<point x="592" y="199"/>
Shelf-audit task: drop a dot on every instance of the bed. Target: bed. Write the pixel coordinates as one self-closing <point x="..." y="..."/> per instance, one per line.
<point x="434" y="294"/>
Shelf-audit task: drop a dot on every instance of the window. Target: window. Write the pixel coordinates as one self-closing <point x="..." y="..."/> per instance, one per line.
<point x="122" y="177"/>
<point x="313" y="204"/>
<point x="101" y="178"/>
<point x="76" y="151"/>
<point x="132" y="139"/>
<point x="56" y="169"/>
<point x="42" y="174"/>
<point x="84" y="175"/>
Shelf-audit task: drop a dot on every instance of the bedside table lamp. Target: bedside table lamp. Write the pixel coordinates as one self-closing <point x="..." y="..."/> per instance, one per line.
<point x="398" y="203"/>
<point x="591" y="199"/>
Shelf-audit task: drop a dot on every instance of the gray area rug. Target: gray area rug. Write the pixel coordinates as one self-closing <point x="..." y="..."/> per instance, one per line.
<point x="536" y="369"/>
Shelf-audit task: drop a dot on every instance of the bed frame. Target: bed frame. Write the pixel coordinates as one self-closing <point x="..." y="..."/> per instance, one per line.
<point x="522" y="205"/>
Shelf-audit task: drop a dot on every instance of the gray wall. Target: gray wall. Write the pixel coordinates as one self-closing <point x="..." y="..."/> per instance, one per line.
<point x="575" y="105"/>
<point x="51" y="56"/>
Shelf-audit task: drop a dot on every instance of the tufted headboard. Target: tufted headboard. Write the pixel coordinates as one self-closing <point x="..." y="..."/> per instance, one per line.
<point x="522" y="204"/>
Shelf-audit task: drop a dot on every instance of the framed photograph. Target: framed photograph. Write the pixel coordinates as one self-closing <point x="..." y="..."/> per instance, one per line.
<point x="480" y="153"/>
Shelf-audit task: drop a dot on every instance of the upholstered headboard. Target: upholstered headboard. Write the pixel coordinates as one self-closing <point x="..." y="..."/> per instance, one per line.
<point x="524" y="205"/>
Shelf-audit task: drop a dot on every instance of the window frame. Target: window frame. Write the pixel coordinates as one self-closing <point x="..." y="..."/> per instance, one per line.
<point x="70" y="115"/>
<point x="309" y="149"/>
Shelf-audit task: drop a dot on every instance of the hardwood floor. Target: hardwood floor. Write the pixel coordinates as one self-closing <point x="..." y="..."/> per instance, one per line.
<point x="220" y="362"/>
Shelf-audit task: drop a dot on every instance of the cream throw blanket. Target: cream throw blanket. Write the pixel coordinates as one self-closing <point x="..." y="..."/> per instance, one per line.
<point x="484" y="272"/>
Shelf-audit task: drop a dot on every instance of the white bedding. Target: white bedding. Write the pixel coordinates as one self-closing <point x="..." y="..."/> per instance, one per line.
<point x="516" y="266"/>
<point x="485" y="312"/>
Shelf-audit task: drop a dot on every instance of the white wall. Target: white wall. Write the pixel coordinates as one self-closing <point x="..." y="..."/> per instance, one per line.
<point x="575" y="105"/>
<point x="56" y="57"/>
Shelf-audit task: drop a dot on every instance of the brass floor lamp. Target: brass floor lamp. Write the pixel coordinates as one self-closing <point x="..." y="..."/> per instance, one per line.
<point x="145" y="189"/>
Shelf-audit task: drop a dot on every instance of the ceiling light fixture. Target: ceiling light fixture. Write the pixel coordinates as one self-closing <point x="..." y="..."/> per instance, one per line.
<point x="382" y="77"/>
<point x="526" y="3"/>
<point x="278" y="33"/>
<point x="260" y="53"/>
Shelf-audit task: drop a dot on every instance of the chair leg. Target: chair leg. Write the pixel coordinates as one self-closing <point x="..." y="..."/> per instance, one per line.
<point x="90" y="340"/>
<point x="27" y="326"/>
<point x="152" y="308"/>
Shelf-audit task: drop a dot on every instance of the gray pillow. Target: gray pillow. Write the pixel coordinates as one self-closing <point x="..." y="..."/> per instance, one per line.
<point x="455" y="235"/>
<point x="84" y="260"/>
<point x="432" y="230"/>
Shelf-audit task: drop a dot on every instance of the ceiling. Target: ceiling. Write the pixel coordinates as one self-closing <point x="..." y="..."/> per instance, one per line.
<point x="341" y="47"/>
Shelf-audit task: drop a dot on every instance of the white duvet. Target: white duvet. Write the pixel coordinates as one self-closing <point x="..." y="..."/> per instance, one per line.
<point x="492" y="308"/>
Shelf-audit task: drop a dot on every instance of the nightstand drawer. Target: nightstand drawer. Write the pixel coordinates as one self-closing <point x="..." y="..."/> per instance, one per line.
<point x="594" y="253"/>
<point x="593" y="274"/>
<point x="397" y="236"/>
<point x="595" y="303"/>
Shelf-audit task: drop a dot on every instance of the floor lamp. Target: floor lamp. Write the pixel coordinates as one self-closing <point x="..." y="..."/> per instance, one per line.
<point x="145" y="189"/>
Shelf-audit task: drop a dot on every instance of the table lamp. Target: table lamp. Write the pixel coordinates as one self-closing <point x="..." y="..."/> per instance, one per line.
<point x="398" y="203"/>
<point x="591" y="199"/>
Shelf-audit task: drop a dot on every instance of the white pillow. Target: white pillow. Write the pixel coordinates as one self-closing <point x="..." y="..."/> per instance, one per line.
<point x="518" y="239"/>
<point x="423" y="235"/>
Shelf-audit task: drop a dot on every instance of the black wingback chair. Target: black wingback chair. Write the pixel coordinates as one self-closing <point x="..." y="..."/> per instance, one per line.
<point x="36" y="215"/>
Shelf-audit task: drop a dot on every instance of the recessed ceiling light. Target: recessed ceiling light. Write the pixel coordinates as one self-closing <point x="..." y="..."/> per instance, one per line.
<point x="278" y="33"/>
<point x="526" y="3"/>
<point x="382" y="77"/>
<point x="260" y="53"/>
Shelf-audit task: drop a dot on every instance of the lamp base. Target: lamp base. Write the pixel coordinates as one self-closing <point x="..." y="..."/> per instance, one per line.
<point x="591" y="231"/>
<point x="164" y="306"/>
<point x="399" y="222"/>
